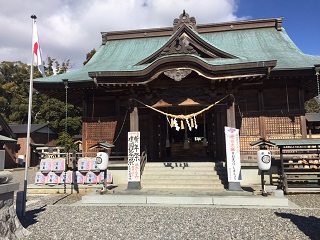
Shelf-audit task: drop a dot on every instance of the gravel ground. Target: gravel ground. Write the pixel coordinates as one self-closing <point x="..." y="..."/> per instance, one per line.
<point x="145" y="222"/>
<point x="54" y="217"/>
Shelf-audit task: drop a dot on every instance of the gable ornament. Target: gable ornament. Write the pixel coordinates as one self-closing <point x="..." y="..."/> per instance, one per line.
<point x="177" y="74"/>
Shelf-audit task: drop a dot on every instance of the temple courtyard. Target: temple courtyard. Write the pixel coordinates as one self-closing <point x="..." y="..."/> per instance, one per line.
<point x="64" y="216"/>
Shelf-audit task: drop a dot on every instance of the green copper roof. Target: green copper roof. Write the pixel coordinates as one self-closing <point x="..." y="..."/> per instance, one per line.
<point x="296" y="142"/>
<point x="261" y="45"/>
<point x="247" y="45"/>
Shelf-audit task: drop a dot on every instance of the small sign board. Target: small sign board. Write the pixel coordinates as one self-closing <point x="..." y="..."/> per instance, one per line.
<point x="233" y="154"/>
<point x="133" y="156"/>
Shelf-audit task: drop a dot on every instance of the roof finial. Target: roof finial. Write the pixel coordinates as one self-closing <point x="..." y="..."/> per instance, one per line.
<point x="184" y="19"/>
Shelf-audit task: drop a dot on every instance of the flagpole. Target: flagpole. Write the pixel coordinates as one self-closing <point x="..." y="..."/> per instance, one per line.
<point x="34" y="17"/>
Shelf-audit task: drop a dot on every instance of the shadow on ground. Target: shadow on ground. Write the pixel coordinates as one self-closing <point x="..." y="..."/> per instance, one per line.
<point x="30" y="216"/>
<point x="308" y="225"/>
<point x="248" y="189"/>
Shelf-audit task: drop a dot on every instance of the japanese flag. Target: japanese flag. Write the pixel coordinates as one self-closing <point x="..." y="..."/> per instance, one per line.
<point x="36" y="49"/>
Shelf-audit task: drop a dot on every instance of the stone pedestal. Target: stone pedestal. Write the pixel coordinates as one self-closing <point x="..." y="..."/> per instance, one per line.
<point x="10" y="226"/>
<point x="234" y="186"/>
<point x="134" y="186"/>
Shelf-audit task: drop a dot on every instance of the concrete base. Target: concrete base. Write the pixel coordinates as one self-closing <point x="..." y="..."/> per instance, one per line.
<point x="240" y="201"/>
<point x="234" y="186"/>
<point x="47" y="189"/>
<point x="9" y="187"/>
<point x="134" y="185"/>
<point x="207" y="197"/>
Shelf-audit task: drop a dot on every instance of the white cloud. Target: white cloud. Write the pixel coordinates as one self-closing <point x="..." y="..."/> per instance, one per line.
<point x="68" y="29"/>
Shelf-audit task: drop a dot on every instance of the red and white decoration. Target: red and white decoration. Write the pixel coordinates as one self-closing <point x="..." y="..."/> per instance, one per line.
<point x="133" y="156"/>
<point x="233" y="154"/>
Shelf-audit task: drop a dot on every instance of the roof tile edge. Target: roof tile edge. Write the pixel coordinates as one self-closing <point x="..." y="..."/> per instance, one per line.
<point x="202" y="28"/>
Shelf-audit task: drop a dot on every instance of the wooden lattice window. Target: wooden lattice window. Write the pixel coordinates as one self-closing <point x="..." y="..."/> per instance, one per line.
<point x="250" y="126"/>
<point x="283" y="125"/>
<point x="101" y="131"/>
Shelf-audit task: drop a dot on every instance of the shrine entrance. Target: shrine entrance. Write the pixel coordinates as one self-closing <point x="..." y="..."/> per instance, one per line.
<point x="186" y="144"/>
<point x="199" y="140"/>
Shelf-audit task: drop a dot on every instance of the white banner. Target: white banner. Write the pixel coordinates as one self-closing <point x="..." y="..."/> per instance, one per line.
<point x="233" y="154"/>
<point x="133" y="156"/>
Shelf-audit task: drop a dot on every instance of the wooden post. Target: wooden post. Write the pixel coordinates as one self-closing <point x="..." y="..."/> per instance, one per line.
<point x="231" y="118"/>
<point x="134" y="120"/>
<point x="303" y="126"/>
<point x="262" y="126"/>
<point x="231" y="122"/>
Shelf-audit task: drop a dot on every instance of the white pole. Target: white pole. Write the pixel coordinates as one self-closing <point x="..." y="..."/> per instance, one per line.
<point x="29" y="123"/>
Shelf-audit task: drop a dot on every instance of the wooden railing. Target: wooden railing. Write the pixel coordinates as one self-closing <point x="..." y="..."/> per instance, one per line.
<point x="143" y="160"/>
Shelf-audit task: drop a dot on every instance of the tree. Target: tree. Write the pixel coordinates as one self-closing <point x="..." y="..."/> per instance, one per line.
<point x="65" y="140"/>
<point x="14" y="98"/>
<point x="311" y="106"/>
<point x="89" y="56"/>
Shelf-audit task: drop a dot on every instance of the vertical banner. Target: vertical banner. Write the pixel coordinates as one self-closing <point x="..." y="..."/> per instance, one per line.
<point x="233" y="154"/>
<point x="133" y="156"/>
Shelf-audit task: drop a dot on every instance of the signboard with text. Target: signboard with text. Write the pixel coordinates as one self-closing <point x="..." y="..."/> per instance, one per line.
<point x="133" y="156"/>
<point x="233" y="154"/>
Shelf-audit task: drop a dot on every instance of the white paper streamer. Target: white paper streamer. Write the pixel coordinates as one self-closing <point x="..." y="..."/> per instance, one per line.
<point x="188" y="123"/>
<point x="176" y="124"/>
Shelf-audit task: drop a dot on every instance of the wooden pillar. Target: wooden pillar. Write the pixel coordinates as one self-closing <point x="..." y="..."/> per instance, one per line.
<point x="262" y="126"/>
<point x="231" y="122"/>
<point x="134" y="120"/>
<point x="303" y="126"/>
<point x="231" y="116"/>
<point x="262" y="119"/>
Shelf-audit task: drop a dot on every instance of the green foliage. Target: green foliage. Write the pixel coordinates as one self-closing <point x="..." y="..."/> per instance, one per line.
<point x="14" y="100"/>
<point x="311" y="106"/>
<point x="89" y="56"/>
<point x="66" y="141"/>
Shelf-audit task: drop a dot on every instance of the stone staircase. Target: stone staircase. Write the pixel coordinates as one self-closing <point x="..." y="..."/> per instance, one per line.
<point x="184" y="175"/>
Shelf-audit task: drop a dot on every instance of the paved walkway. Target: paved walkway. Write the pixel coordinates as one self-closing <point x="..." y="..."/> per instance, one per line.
<point x="121" y="195"/>
<point x="118" y="194"/>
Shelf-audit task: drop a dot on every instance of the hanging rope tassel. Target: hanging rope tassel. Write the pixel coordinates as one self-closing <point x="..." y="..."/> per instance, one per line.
<point x="172" y="123"/>
<point x="182" y="125"/>
<point x="192" y="124"/>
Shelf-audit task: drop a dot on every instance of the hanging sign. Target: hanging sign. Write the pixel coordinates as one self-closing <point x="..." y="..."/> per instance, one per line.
<point x="133" y="156"/>
<point x="233" y="154"/>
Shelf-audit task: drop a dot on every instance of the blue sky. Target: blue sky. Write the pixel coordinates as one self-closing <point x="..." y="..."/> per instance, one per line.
<point x="69" y="29"/>
<point x="301" y="19"/>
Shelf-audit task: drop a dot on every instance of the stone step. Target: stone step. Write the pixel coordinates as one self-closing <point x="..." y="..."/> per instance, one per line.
<point x="203" y="169"/>
<point x="180" y="181"/>
<point x="189" y="164"/>
<point x="185" y="177"/>
<point x="193" y="175"/>
<point x="183" y="186"/>
<point x="169" y="172"/>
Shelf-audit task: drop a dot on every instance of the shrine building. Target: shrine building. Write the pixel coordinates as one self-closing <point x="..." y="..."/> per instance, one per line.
<point x="179" y="86"/>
